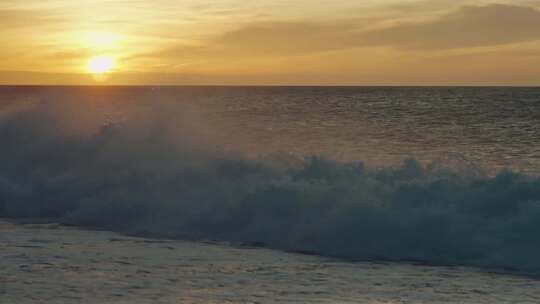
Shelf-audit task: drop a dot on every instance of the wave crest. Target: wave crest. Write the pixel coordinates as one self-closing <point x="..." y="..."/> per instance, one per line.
<point x="144" y="178"/>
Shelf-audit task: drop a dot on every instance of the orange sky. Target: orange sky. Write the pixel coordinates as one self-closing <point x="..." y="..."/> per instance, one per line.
<point x="348" y="42"/>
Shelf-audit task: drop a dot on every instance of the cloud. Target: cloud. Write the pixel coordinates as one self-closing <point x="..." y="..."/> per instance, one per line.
<point x="290" y="37"/>
<point x="71" y="54"/>
<point x="21" y="18"/>
<point x="469" y="26"/>
<point x="263" y="39"/>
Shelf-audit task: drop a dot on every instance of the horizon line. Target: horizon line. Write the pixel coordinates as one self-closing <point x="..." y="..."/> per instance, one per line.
<point x="281" y="85"/>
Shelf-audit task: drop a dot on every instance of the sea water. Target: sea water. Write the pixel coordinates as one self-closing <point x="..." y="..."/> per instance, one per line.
<point x="443" y="176"/>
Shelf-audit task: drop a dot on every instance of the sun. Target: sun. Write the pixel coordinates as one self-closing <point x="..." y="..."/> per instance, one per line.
<point x="100" y="64"/>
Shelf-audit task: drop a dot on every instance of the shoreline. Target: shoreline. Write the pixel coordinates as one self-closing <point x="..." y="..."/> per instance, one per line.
<point x="50" y="263"/>
<point x="258" y="245"/>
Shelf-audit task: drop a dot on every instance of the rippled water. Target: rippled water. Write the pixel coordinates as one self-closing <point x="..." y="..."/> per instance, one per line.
<point x="493" y="127"/>
<point x="169" y="162"/>
<point x="496" y="127"/>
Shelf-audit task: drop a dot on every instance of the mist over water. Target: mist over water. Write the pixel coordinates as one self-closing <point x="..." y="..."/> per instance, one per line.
<point x="372" y="173"/>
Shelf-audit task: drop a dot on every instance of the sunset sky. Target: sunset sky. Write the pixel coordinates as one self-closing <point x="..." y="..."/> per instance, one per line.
<point x="347" y="42"/>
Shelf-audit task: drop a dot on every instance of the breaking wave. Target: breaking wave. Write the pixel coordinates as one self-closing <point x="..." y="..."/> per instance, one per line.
<point x="148" y="177"/>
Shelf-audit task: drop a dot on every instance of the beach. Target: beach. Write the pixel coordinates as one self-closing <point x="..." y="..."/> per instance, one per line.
<point x="50" y="263"/>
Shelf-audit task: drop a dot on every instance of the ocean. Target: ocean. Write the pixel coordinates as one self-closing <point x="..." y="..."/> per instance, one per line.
<point x="494" y="127"/>
<point x="444" y="176"/>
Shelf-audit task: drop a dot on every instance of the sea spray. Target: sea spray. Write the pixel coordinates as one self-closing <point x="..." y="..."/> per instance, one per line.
<point x="150" y="177"/>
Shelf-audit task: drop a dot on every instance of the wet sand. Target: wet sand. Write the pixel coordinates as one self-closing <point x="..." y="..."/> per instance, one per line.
<point x="56" y="264"/>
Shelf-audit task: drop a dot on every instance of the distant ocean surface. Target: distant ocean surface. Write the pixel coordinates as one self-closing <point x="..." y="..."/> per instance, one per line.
<point x="444" y="175"/>
<point x="498" y="128"/>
